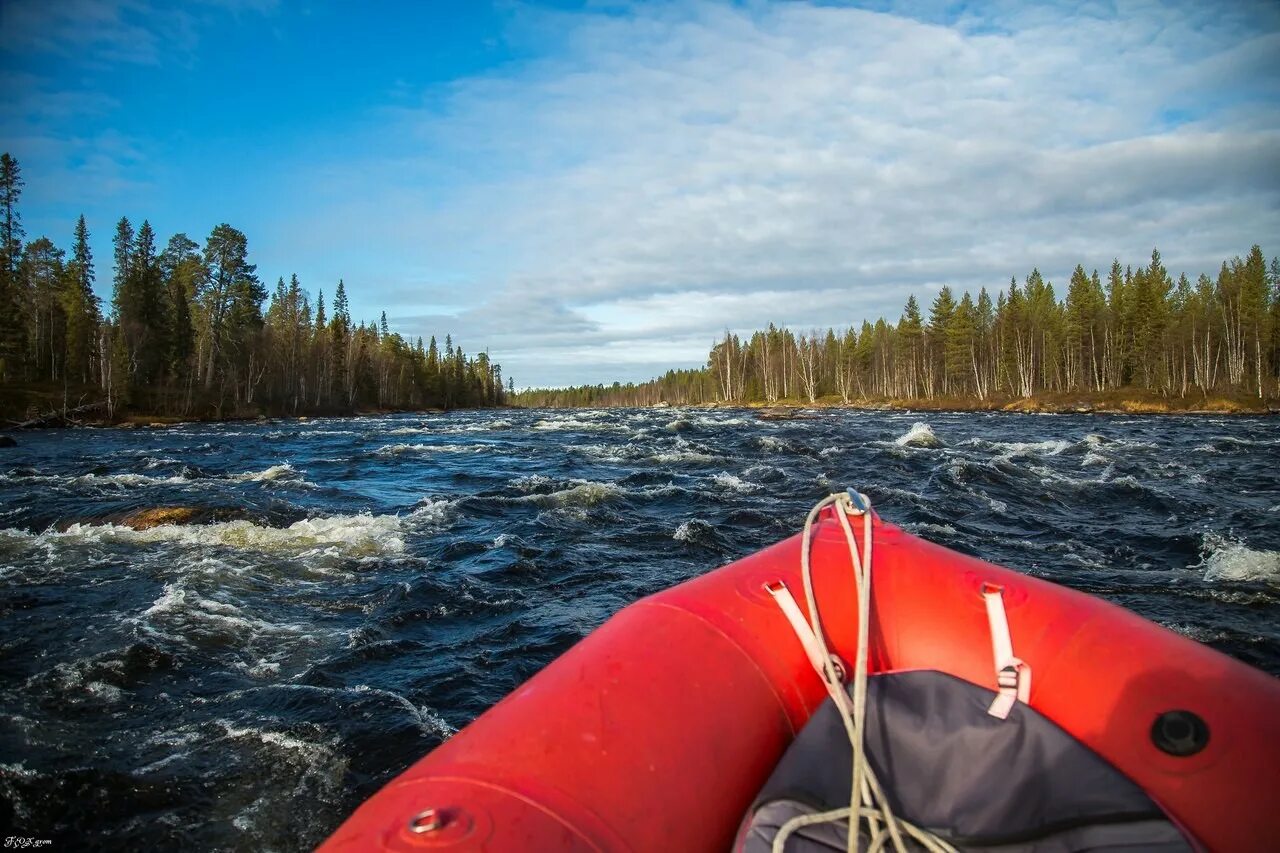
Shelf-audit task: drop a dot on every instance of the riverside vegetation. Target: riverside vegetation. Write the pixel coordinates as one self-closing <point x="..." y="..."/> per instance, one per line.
<point x="1138" y="341"/>
<point x="185" y="335"/>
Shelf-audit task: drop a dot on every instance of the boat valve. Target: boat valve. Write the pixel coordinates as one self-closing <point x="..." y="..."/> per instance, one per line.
<point x="431" y="820"/>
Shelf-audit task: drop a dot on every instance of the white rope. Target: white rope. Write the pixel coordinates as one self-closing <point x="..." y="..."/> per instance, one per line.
<point x="866" y="797"/>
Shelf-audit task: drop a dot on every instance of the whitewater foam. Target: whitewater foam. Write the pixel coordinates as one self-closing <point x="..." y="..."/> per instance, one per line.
<point x="920" y="435"/>
<point x="1011" y="449"/>
<point x="132" y="480"/>
<point x="733" y="483"/>
<point x="341" y="535"/>
<point x="575" y="423"/>
<point x="692" y="530"/>
<point x="179" y="602"/>
<point x="433" y="511"/>
<point x="1224" y="559"/>
<point x="398" y="449"/>
<point x="683" y="451"/>
<point x="583" y="493"/>
<point x="276" y="473"/>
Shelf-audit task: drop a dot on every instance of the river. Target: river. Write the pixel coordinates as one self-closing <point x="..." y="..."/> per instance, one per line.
<point x="358" y="589"/>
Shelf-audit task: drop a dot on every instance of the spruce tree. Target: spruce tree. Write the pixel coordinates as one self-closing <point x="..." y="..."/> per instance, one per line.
<point x="941" y="314"/>
<point x="81" y="307"/>
<point x="339" y="343"/>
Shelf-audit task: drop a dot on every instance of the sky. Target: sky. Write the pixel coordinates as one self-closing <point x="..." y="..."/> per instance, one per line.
<point x="596" y="191"/>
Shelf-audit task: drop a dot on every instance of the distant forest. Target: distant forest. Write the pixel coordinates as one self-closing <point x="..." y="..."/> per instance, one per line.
<point x="1136" y="330"/>
<point x="185" y="333"/>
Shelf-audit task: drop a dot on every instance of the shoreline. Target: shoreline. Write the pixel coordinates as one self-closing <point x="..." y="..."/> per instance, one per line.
<point x="1120" y="402"/>
<point x="1116" y="403"/>
<point x="57" y="420"/>
<point x="1129" y="405"/>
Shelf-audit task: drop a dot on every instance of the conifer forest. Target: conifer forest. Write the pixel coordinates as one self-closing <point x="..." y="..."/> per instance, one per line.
<point x="1126" y="330"/>
<point x="185" y="333"/>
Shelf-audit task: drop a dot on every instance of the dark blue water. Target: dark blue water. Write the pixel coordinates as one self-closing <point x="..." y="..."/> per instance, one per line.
<point x="353" y="591"/>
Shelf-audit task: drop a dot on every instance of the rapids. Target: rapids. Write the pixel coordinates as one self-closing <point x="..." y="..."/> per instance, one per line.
<point x="364" y="587"/>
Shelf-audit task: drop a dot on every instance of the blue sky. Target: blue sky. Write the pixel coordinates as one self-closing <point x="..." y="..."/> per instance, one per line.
<point x="596" y="190"/>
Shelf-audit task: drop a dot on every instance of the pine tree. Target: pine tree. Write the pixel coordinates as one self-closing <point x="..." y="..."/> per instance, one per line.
<point x="12" y="349"/>
<point x="42" y="275"/>
<point x="182" y="273"/>
<point x="230" y="296"/>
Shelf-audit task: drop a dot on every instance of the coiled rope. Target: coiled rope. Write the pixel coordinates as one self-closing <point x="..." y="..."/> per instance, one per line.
<point x="866" y="797"/>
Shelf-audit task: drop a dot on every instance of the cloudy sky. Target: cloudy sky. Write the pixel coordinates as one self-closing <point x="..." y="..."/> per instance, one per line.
<point x="597" y="190"/>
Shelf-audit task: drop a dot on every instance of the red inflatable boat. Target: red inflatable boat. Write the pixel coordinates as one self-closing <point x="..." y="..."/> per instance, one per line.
<point x="661" y="730"/>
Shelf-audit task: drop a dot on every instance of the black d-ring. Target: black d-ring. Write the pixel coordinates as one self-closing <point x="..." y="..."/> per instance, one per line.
<point x="1180" y="733"/>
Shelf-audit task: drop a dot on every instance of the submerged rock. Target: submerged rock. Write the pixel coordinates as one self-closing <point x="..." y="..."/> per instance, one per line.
<point x="7" y="441"/>
<point x="145" y="519"/>
<point x="161" y="516"/>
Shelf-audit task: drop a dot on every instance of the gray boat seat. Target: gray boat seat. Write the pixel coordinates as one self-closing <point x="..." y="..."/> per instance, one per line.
<point x="983" y="784"/>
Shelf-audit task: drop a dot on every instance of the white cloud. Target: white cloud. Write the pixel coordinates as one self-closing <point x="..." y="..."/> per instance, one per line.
<point x="677" y="170"/>
<point x="665" y="171"/>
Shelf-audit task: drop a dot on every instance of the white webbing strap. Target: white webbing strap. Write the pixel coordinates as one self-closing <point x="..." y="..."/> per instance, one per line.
<point x="803" y="630"/>
<point x="1012" y="674"/>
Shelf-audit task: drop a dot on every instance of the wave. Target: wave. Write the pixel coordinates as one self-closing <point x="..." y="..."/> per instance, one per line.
<point x="281" y="473"/>
<point x="920" y="435"/>
<point x="681" y="451"/>
<point x="276" y="473"/>
<point x="675" y="456"/>
<point x="1010" y="449"/>
<point x="577" y="423"/>
<point x="314" y="752"/>
<point x="929" y="530"/>
<point x="1235" y="561"/>
<point x="131" y="480"/>
<point x="610" y="452"/>
<point x="400" y="449"/>
<point x="732" y="483"/>
<point x="361" y="535"/>
<point x="177" y="601"/>
<point x="708" y="421"/>
<point x="582" y="493"/>
<point x="693" y="530"/>
<point x="485" y="426"/>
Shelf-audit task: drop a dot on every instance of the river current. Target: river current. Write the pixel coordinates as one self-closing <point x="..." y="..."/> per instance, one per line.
<point x="355" y="590"/>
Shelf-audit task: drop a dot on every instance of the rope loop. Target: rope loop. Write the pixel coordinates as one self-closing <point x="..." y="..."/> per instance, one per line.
<point x="867" y="800"/>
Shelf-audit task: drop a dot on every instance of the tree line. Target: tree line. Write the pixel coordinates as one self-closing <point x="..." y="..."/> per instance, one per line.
<point x="1132" y="330"/>
<point x="185" y="332"/>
